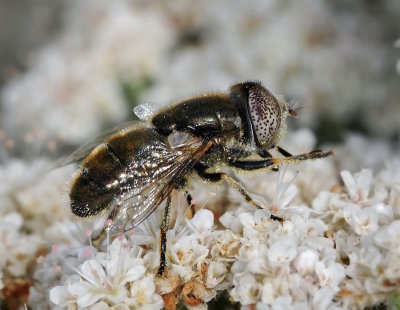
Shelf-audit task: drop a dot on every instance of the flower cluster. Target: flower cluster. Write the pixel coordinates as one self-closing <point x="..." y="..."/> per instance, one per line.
<point x="337" y="247"/>
<point x="35" y="191"/>
<point x="367" y="213"/>
<point x="116" y="278"/>
<point x="15" y="256"/>
<point x="339" y="252"/>
<point x="122" y="276"/>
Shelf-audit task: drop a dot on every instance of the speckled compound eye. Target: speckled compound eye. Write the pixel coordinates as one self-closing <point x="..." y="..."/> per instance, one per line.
<point x="265" y="114"/>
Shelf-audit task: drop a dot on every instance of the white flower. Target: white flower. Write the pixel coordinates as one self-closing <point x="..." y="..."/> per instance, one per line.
<point x="186" y="255"/>
<point x="103" y="277"/>
<point x="268" y="293"/>
<point x="36" y="192"/>
<point x="283" y="251"/>
<point x="249" y="225"/>
<point x="203" y="221"/>
<point x="285" y="192"/>
<point x="201" y="226"/>
<point x="216" y="273"/>
<point x="104" y="306"/>
<point x="323" y="298"/>
<point x="17" y="249"/>
<point x="321" y="202"/>
<point x="232" y="220"/>
<point x="358" y="186"/>
<point x="363" y="221"/>
<point x="61" y="297"/>
<point x="305" y="262"/>
<point x="329" y="273"/>
<point x="282" y="302"/>
<point x="93" y="286"/>
<point x="246" y="289"/>
<point x="308" y="228"/>
<point x="143" y="295"/>
<point x="226" y="246"/>
<point x="388" y="237"/>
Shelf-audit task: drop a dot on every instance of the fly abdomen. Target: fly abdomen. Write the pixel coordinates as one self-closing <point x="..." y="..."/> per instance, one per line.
<point x="127" y="145"/>
<point x="87" y="197"/>
<point x="92" y="189"/>
<point x="114" y="168"/>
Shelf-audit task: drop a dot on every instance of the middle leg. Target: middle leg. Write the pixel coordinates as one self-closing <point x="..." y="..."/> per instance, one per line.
<point x="163" y="237"/>
<point x="218" y="177"/>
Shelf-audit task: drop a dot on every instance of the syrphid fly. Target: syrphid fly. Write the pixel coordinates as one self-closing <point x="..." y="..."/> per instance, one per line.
<point x="130" y="172"/>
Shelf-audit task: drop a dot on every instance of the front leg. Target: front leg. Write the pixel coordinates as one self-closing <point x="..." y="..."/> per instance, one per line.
<point x="283" y="151"/>
<point x="266" y="154"/>
<point x="272" y="162"/>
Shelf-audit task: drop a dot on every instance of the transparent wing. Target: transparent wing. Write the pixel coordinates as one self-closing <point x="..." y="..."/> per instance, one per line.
<point x="152" y="176"/>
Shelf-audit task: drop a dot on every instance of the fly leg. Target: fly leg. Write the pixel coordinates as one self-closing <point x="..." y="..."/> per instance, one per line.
<point x="163" y="237"/>
<point x="218" y="177"/>
<point x="283" y="151"/>
<point x="189" y="200"/>
<point x="265" y="154"/>
<point x="273" y="162"/>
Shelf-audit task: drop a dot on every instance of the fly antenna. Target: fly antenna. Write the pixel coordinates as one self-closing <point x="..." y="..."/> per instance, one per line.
<point x="293" y="107"/>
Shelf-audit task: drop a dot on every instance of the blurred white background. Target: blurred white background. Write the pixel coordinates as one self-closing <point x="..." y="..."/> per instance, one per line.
<point x="72" y="68"/>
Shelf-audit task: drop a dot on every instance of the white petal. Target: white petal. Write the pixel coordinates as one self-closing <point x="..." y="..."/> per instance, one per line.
<point x="323" y="298"/>
<point x="268" y="293"/>
<point x="247" y="219"/>
<point x="100" y="306"/>
<point x="216" y="273"/>
<point x="60" y="296"/>
<point x="246" y="289"/>
<point x="389" y="237"/>
<point x="283" y="251"/>
<point x="86" y="294"/>
<point x="261" y="216"/>
<point x="305" y="262"/>
<point x="143" y="295"/>
<point x="94" y="272"/>
<point x="134" y="273"/>
<point x="203" y="220"/>
<point x="330" y="274"/>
